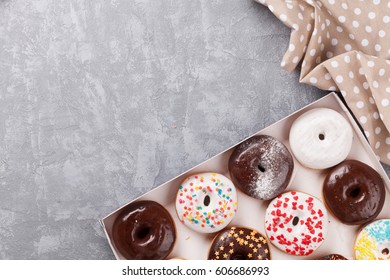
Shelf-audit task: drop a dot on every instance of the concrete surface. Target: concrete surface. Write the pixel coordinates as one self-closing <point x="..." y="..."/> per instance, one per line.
<point x="103" y="100"/>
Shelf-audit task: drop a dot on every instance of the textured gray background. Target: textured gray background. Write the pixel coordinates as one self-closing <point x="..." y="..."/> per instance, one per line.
<point x="103" y="100"/>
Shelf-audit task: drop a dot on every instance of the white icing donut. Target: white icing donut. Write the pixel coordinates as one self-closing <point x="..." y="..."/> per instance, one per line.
<point x="296" y="223"/>
<point x="206" y="202"/>
<point x="321" y="138"/>
<point x="373" y="241"/>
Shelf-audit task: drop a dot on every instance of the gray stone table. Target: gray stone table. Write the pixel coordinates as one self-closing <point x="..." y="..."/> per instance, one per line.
<point x="101" y="101"/>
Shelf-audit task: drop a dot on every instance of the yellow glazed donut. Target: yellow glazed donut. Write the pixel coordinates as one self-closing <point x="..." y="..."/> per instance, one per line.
<point x="373" y="241"/>
<point x="206" y="202"/>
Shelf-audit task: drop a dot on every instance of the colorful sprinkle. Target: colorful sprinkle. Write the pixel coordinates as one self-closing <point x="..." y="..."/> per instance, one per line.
<point x="373" y="241"/>
<point x="215" y="218"/>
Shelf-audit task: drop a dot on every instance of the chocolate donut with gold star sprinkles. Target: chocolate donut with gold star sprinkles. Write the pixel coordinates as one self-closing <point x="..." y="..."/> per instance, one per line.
<point x="239" y="243"/>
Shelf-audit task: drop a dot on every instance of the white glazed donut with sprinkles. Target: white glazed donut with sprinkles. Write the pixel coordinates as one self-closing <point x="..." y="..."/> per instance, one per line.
<point x="296" y="223"/>
<point x="206" y="202"/>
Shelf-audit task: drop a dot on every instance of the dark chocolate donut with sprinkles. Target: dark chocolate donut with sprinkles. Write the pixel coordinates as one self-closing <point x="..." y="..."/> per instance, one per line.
<point x="332" y="257"/>
<point x="239" y="243"/>
<point x="261" y="167"/>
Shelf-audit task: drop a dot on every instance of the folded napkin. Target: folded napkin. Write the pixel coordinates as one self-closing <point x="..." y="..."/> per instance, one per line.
<point x="344" y="46"/>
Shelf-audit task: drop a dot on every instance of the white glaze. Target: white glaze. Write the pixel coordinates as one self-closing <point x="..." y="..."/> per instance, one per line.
<point x="307" y="146"/>
<point x="190" y="199"/>
<point x="302" y="236"/>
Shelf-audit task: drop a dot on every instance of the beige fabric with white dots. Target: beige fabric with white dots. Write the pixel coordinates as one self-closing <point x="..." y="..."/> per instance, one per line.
<point x="344" y="46"/>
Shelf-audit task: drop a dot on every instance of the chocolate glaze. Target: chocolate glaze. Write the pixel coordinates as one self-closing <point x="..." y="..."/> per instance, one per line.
<point x="239" y="243"/>
<point x="354" y="192"/>
<point x="333" y="257"/>
<point x="144" y="230"/>
<point x="261" y="167"/>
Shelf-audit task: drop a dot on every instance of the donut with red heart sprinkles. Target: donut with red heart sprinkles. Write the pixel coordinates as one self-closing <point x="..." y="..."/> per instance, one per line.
<point x="296" y="223"/>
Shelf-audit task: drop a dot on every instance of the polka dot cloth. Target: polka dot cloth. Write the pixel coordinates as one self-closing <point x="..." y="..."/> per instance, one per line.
<point x="344" y="46"/>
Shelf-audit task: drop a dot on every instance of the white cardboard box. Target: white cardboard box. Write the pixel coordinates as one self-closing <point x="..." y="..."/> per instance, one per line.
<point x="251" y="212"/>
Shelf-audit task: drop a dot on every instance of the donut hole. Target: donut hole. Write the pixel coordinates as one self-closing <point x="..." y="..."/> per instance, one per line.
<point x="295" y="221"/>
<point x="385" y="251"/>
<point x="206" y="200"/>
<point x="321" y="136"/>
<point x="261" y="168"/>
<point x="142" y="232"/>
<point x="354" y="191"/>
<point x="237" y="256"/>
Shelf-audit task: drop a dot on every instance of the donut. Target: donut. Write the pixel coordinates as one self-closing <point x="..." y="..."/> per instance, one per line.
<point x="296" y="223"/>
<point x="373" y="241"/>
<point x="239" y="243"/>
<point x="206" y="202"/>
<point x="354" y="192"/>
<point x="333" y="257"/>
<point x="320" y="138"/>
<point x="261" y="167"/>
<point x="144" y="230"/>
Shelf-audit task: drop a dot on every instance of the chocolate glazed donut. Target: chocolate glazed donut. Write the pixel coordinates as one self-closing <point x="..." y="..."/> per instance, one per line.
<point x="354" y="192"/>
<point x="144" y="230"/>
<point x="261" y="167"/>
<point x="333" y="257"/>
<point x="239" y="243"/>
